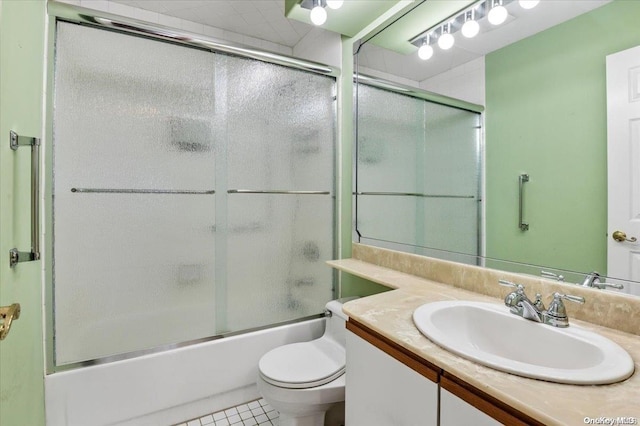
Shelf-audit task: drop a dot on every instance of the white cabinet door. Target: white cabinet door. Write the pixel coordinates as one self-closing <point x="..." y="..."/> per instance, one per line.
<point x="382" y="391"/>
<point x="455" y="412"/>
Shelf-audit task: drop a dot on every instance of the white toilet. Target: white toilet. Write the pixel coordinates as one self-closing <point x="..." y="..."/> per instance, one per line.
<point x="304" y="380"/>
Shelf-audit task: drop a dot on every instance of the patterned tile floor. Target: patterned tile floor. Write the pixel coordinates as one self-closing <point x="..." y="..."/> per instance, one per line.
<point x="257" y="412"/>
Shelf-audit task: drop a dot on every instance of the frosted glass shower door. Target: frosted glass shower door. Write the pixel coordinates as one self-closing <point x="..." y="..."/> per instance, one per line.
<point x="451" y="170"/>
<point x="418" y="172"/>
<point x="390" y="153"/>
<point x="280" y="154"/>
<point x="134" y="208"/>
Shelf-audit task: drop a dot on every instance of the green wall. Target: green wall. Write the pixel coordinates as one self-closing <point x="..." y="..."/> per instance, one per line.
<point x="546" y="116"/>
<point x="22" y="35"/>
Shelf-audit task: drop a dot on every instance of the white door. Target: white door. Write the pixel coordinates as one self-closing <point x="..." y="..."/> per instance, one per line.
<point x="623" y="163"/>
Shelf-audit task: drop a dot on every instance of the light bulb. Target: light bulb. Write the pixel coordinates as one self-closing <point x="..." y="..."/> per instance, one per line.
<point x="318" y="15"/>
<point x="446" y="41"/>
<point x="425" y="52"/>
<point x="470" y="29"/>
<point x="334" y="4"/>
<point x="528" y="4"/>
<point x="498" y="14"/>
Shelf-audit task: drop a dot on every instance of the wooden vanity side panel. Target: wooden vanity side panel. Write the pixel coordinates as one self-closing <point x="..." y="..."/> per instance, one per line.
<point x="409" y="359"/>
<point x="486" y="403"/>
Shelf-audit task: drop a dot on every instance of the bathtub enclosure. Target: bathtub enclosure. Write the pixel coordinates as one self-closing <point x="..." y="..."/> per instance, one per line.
<point x="179" y="197"/>
<point x="192" y="201"/>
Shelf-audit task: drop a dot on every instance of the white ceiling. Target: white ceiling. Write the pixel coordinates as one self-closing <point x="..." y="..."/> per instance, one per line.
<point x="520" y="24"/>
<point x="263" y="19"/>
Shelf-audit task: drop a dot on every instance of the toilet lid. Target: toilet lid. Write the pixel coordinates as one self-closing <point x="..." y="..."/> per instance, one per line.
<point x="303" y="365"/>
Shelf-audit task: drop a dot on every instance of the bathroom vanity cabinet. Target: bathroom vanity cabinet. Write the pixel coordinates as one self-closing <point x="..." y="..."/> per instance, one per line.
<point x="387" y="384"/>
<point x="486" y="395"/>
<point x="382" y="390"/>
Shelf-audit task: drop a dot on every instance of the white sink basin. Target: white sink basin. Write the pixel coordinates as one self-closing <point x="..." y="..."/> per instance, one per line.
<point x="491" y="335"/>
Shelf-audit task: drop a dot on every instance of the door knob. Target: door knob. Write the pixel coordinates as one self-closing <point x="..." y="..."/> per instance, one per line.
<point x="620" y="237"/>
<point x="7" y="315"/>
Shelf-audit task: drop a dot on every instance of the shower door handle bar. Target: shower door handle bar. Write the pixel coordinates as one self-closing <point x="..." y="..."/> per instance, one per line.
<point x="16" y="256"/>
<point x="415" y="194"/>
<point x="521" y="181"/>
<point x="254" y="191"/>
<point x="139" y="191"/>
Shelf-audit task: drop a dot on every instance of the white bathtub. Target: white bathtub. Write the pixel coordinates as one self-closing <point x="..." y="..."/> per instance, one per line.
<point x="167" y="387"/>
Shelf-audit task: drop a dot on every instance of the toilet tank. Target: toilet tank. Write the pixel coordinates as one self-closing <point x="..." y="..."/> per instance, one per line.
<point x="336" y="322"/>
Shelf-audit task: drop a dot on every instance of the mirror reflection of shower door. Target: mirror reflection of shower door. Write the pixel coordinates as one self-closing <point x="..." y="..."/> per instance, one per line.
<point x="390" y="148"/>
<point x="149" y="247"/>
<point x="418" y="174"/>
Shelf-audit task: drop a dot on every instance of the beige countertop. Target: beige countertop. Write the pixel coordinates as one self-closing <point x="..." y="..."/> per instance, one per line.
<point x="390" y="314"/>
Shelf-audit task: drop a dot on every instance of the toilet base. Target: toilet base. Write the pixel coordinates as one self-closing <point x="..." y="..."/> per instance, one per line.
<point x="333" y="416"/>
<point x="306" y="407"/>
<point x="315" y="419"/>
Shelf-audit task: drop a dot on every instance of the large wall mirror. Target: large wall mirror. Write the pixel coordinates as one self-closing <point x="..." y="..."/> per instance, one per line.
<point x="518" y="148"/>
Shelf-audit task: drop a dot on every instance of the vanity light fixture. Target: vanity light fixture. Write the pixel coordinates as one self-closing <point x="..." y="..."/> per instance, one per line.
<point x="467" y="22"/>
<point x="498" y="13"/>
<point x="446" y="39"/>
<point x="470" y="28"/>
<point x="318" y="15"/>
<point x="425" y="51"/>
<point x="528" y="4"/>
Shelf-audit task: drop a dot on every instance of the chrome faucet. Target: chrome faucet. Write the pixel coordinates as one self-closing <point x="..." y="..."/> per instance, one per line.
<point x="519" y="304"/>
<point x="593" y="280"/>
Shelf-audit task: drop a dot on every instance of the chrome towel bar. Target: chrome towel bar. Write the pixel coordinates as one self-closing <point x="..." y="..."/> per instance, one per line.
<point x="16" y="141"/>
<point x="254" y="191"/>
<point x="138" y="191"/>
<point x="415" y="194"/>
<point x="521" y="181"/>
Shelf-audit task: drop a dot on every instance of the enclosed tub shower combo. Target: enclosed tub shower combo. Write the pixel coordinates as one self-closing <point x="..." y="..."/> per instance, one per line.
<point x="191" y="198"/>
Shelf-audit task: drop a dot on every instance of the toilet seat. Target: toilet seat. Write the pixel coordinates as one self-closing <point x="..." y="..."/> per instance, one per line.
<point x="303" y="365"/>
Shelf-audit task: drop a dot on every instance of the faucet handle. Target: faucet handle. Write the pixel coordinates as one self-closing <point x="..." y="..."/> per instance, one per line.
<point x="602" y="285"/>
<point x="576" y="299"/>
<point x="548" y="274"/>
<point x="613" y="285"/>
<point x="519" y="287"/>
<point x="556" y="315"/>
